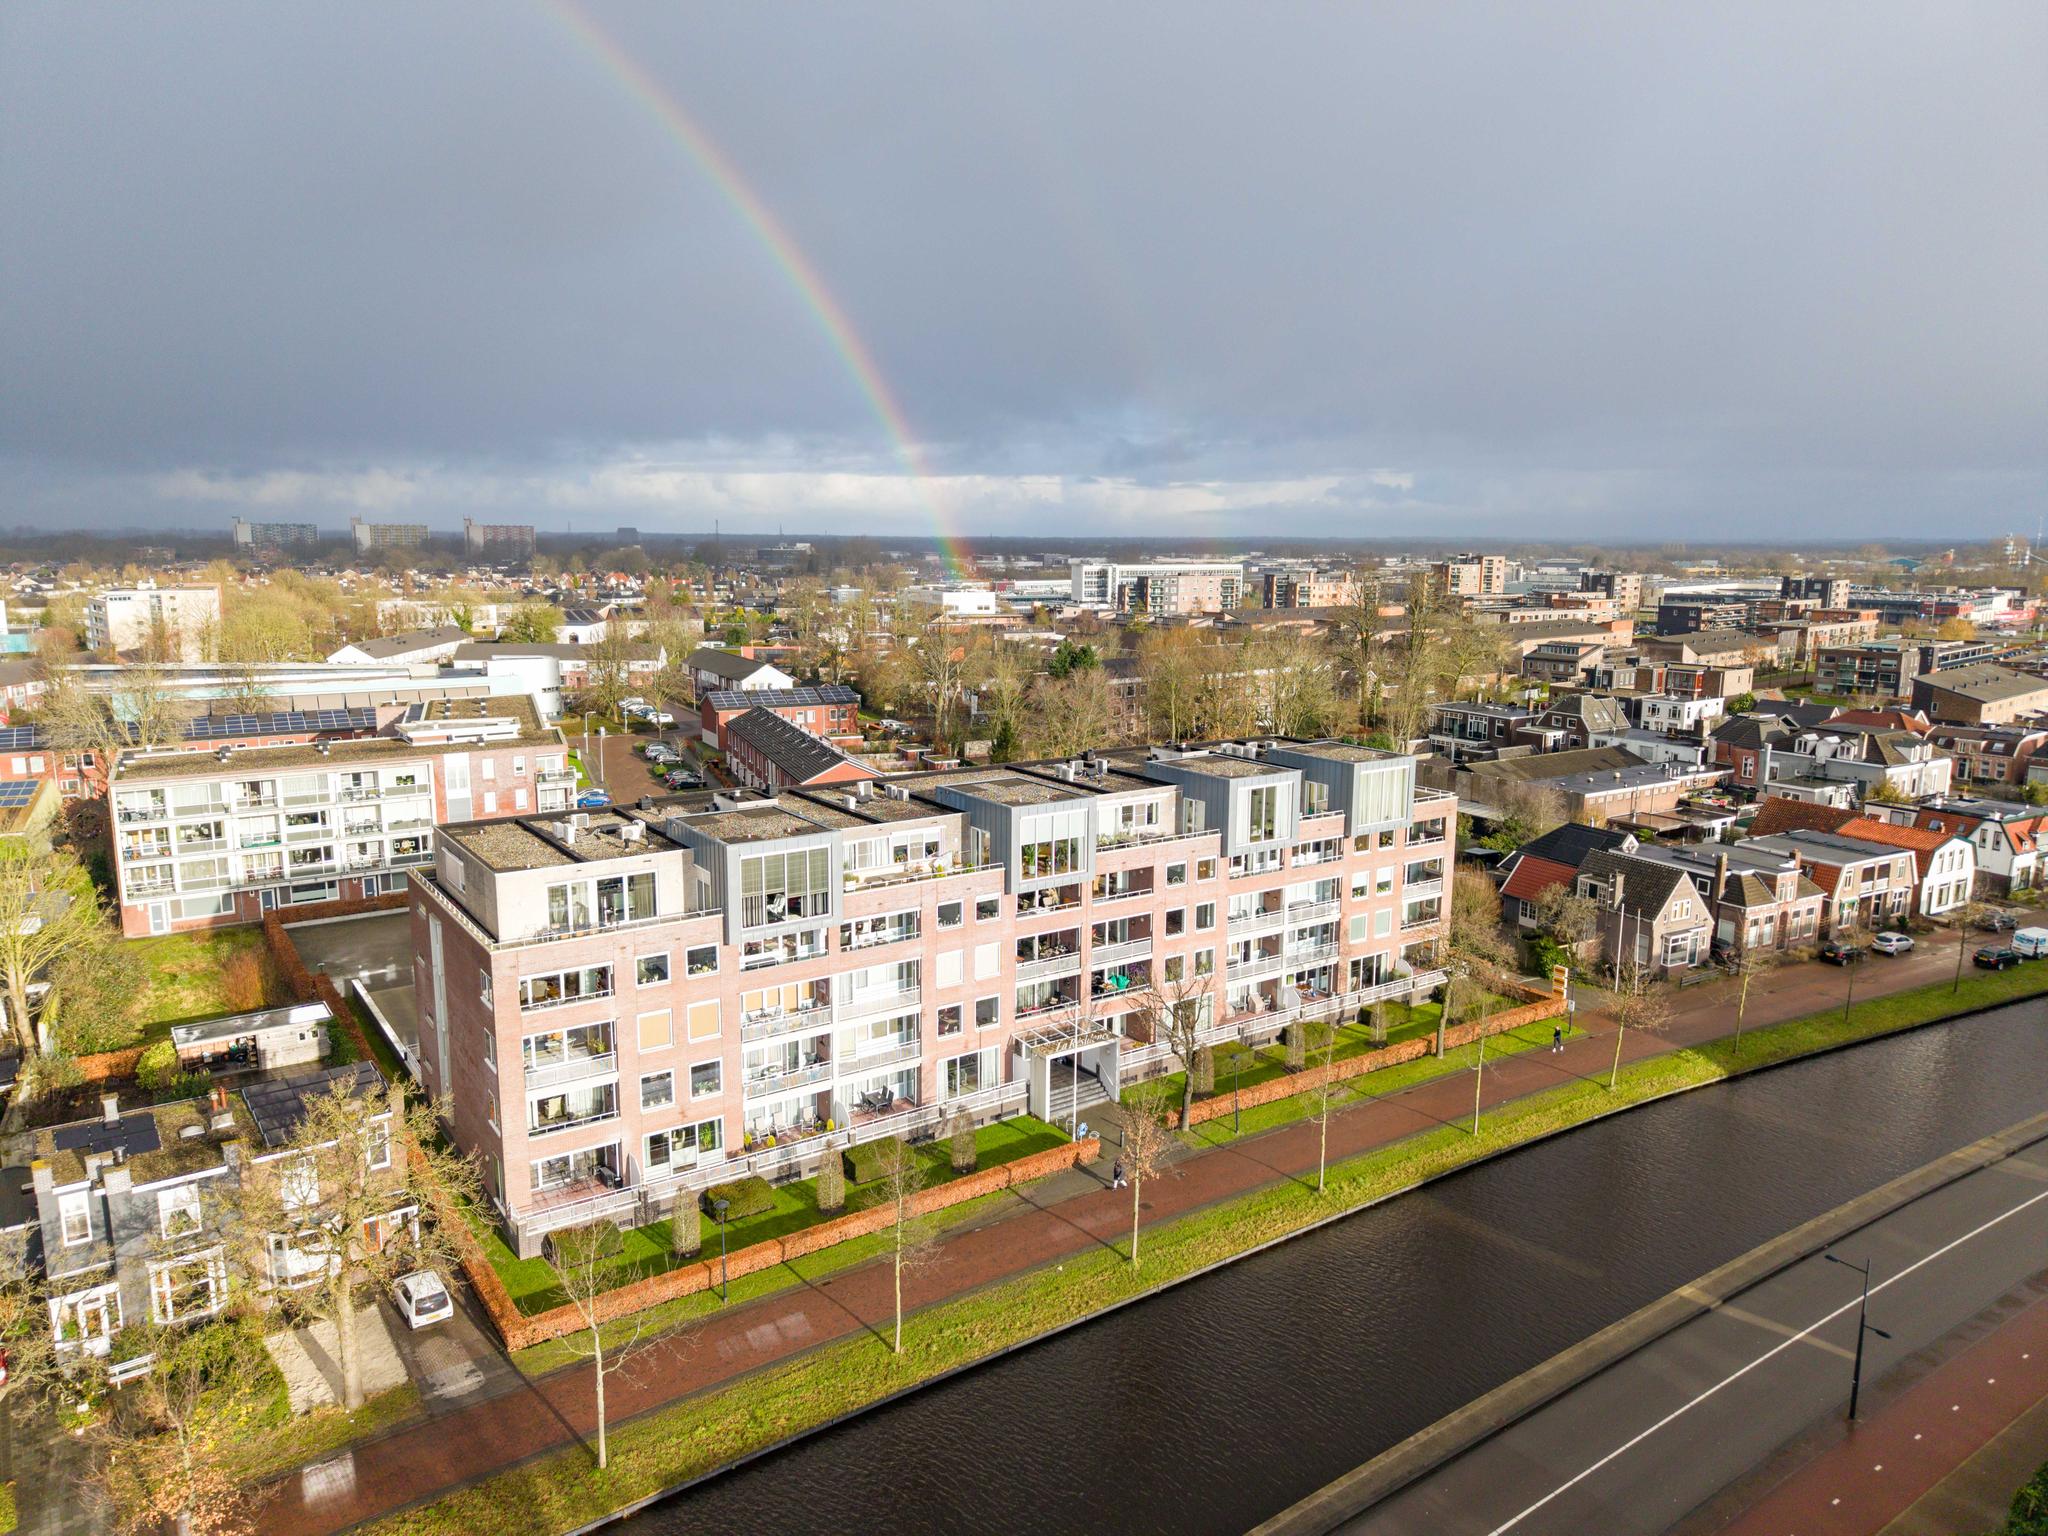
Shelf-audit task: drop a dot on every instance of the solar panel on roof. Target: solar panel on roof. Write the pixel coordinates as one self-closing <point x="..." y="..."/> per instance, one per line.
<point x="781" y="698"/>
<point x="17" y="738"/>
<point x="133" y="1134"/>
<point x="283" y="722"/>
<point x="16" y="793"/>
<point x="278" y="1105"/>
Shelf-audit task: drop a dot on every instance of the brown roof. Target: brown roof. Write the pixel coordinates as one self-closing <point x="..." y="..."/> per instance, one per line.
<point x="1924" y="843"/>
<point x="1780" y="813"/>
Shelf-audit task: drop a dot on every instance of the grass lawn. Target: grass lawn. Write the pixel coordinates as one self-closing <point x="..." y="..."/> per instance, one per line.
<point x="287" y="1442"/>
<point x="534" y="1287"/>
<point x="1267" y="1062"/>
<point x="700" y="1434"/>
<point x="187" y="977"/>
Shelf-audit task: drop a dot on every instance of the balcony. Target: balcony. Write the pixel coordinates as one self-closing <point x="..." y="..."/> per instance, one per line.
<point x="780" y="1080"/>
<point x="1065" y="963"/>
<point x="257" y="803"/>
<point x="201" y="845"/>
<point x="564" y="1000"/>
<point x="909" y="1048"/>
<point x="1421" y="920"/>
<point x="537" y="1126"/>
<point x="868" y="1004"/>
<point x="1312" y="954"/>
<point x="870" y="938"/>
<point x="1256" y="965"/>
<point x="1263" y="920"/>
<point x="572" y="1069"/>
<point x="1114" y="954"/>
<point x="770" y="1022"/>
<point x="1310" y="911"/>
<point x="1423" y="889"/>
<point x="555" y="776"/>
<point x="1103" y="898"/>
<point x="1049" y="1005"/>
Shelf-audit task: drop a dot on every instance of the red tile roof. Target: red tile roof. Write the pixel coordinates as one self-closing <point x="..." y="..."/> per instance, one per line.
<point x="1533" y="876"/>
<point x="1924" y="843"/>
<point x="1781" y="814"/>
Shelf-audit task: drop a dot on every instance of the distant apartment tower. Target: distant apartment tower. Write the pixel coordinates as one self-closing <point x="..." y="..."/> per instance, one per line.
<point x="499" y="541"/>
<point x="1625" y="587"/>
<point x="250" y="535"/>
<point x="1310" y="589"/>
<point x="1828" y="591"/>
<point x="132" y="618"/>
<point x="371" y="537"/>
<point x="1473" y="575"/>
<point x="1159" y="587"/>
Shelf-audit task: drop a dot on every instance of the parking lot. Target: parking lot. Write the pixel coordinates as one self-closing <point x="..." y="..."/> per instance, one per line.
<point x="626" y="775"/>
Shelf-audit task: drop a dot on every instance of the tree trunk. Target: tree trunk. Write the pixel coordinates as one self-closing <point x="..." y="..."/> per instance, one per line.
<point x="1614" y="1075"/>
<point x="345" y="1341"/>
<point x="898" y="1347"/>
<point x="1323" y="1148"/>
<point x="1137" y="1184"/>
<point x="597" y="1359"/>
<point x="1187" y="1095"/>
<point x="17" y="1012"/>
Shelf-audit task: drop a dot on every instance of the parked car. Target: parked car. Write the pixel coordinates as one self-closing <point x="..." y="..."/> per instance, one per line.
<point x="1998" y="920"/>
<point x="1837" y="953"/>
<point x="593" y="800"/>
<point x="658" y="752"/>
<point x="2032" y="943"/>
<point x="683" y="778"/>
<point x="632" y="701"/>
<point x="1891" y="943"/>
<point x="422" y="1298"/>
<point x="1997" y="957"/>
<point x="660" y="719"/>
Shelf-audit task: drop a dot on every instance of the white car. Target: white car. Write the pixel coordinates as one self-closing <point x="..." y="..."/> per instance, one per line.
<point x="658" y="717"/>
<point x="422" y="1298"/>
<point x="1891" y="943"/>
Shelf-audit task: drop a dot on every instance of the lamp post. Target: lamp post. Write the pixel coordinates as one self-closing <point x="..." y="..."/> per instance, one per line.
<point x="718" y="1209"/>
<point x="1863" y="1326"/>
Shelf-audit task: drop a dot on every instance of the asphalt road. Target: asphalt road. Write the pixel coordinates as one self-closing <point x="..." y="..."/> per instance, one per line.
<point x="1635" y="1448"/>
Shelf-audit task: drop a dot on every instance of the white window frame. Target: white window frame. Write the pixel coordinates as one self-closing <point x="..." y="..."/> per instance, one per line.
<point x="74" y="1202"/>
<point x="665" y="1075"/>
<point x="176" y="1205"/>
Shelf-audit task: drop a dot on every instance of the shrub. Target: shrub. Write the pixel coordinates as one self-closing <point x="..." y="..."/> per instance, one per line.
<point x="870" y="1160"/>
<point x="96" y="998"/>
<point x="158" y="1067"/>
<point x="831" y="1182"/>
<point x="1297" y="1047"/>
<point x="1203" y="1069"/>
<point x="744" y="1197"/>
<point x="50" y="1074"/>
<point x="1379" y="1023"/>
<point x="244" y="982"/>
<point x="963" y="1150"/>
<point x="685" y="1229"/>
<point x="185" y="1085"/>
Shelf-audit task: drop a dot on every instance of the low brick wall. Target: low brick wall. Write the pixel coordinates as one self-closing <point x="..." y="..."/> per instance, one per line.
<point x="519" y="1332"/>
<point x="1288" y="1085"/>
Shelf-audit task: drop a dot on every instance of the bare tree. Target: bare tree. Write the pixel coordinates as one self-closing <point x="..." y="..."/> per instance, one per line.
<point x="1638" y="1004"/>
<point x="587" y="1261"/>
<point x="913" y="1237"/>
<point x="1323" y="1099"/>
<point x="1565" y="917"/>
<point x="1477" y="949"/>
<point x="1178" y="1011"/>
<point x="1970" y="916"/>
<point x="605" y="661"/>
<point x="1751" y="963"/>
<point x="333" y="1193"/>
<point x="48" y="909"/>
<point x="1145" y="1143"/>
<point x="171" y="1441"/>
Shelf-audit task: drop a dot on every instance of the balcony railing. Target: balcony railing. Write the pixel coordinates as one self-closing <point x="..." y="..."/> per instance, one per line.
<point x="1065" y="964"/>
<point x="907" y="1049"/>
<point x="1256" y="965"/>
<point x="556" y="776"/>
<point x="1105" y="897"/>
<point x="872" y="938"/>
<point x="1309" y="911"/>
<point x="769" y="1023"/>
<point x="868" y="1004"/>
<point x="1050" y="1005"/>
<point x="943" y="869"/>
<point x="1115" y="954"/>
<point x="1424" y="888"/>
<point x="570" y="1122"/>
<point x="764" y="1084"/>
<point x="1304" y="857"/>
<point x="1258" y="921"/>
<point x="1311" y="954"/>
<point x="571" y="1070"/>
<point x="541" y="1004"/>
<point x="1426" y="920"/>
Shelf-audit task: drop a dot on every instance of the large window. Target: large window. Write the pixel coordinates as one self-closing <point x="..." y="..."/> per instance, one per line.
<point x="603" y="903"/>
<point x="185" y="1288"/>
<point x="177" y="1210"/>
<point x="966" y="1074"/>
<point x="74" y="1216"/>
<point x="1052" y="845"/>
<point x="706" y="1079"/>
<point x="578" y="1104"/>
<point x="671" y="1151"/>
<point x="782" y="887"/>
<point x="554" y="988"/>
<point x="561" y="1047"/>
<point x="1262" y="807"/>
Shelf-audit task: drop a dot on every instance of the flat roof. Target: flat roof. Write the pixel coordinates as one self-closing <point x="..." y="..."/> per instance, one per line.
<point x="246" y="761"/>
<point x="753" y="824"/>
<point x="1351" y="752"/>
<point x="250" y="1023"/>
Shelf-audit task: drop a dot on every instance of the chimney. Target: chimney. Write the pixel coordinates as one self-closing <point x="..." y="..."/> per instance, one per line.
<point x="1620" y="879"/>
<point x="1720" y="876"/>
<point x="110" y="1107"/>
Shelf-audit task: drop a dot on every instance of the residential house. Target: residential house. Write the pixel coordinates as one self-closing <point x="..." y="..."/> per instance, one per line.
<point x="712" y="669"/>
<point x="1670" y="712"/>
<point x="583" y="626"/>
<point x="1460" y="730"/>
<point x="1652" y="920"/>
<point x="831" y="710"/>
<point x="2007" y="837"/>
<point x="1991" y="754"/>
<point x="1981" y="694"/>
<point x="1529" y="873"/>
<point x="1562" y="661"/>
<point x="1580" y="718"/>
<point x="1868" y="885"/>
<point x="1761" y="899"/>
<point x="770" y="752"/>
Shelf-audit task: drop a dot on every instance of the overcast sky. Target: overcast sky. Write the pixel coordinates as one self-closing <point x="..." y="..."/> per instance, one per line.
<point x="1181" y="271"/>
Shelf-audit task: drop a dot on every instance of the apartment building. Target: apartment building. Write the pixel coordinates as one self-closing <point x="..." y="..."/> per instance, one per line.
<point x="210" y="839"/>
<point x="831" y="710"/>
<point x="1983" y="693"/>
<point x="1885" y="669"/>
<point x="1827" y="591"/>
<point x="1289" y="588"/>
<point x="1473" y="575"/>
<point x="369" y="538"/>
<point x="626" y="1005"/>
<point x="1159" y="587"/>
<point x="250" y="535"/>
<point x="497" y="541"/>
<point x="132" y="618"/>
<point x="1625" y="588"/>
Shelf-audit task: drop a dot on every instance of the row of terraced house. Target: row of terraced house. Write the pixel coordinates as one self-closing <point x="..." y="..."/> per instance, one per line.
<point x="622" y="1006"/>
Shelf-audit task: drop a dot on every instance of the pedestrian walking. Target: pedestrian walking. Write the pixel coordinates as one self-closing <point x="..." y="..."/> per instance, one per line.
<point x="1116" y="1175"/>
<point x="1556" y="1038"/>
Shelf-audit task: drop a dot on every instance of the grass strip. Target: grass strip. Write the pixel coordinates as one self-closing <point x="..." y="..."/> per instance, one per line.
<point x="697" y="1435"/>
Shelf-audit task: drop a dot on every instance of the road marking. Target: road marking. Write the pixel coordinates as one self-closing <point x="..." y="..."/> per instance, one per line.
<point x="1766" y="1324"/>
<point x="1770" y="1354"/>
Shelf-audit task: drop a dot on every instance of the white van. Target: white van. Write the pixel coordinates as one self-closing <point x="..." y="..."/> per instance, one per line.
<point x="2031" y="942"/>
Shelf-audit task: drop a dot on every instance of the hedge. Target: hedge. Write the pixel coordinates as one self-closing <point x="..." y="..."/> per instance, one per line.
<point x="743" y="1198"/>
<point x="870" y="1160"/>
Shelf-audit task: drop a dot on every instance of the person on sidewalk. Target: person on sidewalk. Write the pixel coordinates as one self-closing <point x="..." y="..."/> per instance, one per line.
<point x="1556" y="1038"/>
<point x="1116" y="1175"/>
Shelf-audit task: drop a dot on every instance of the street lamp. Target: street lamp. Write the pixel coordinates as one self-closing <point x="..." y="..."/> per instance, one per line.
<point x="1863" y="1326"/>
<point x="718" y="1209"/>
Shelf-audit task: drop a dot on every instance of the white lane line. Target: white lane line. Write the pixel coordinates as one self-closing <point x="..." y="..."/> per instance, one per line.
<point x="1775" y="1350"/>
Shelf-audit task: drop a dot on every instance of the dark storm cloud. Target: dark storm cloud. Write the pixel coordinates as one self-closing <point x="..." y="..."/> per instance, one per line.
<point x="1632" y="270"/>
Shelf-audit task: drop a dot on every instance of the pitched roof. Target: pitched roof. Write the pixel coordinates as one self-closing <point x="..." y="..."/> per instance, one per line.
<point x="1647" y="886"/>
<point x="1533" y="876"/>
<point x="1750" y="731"/>
<point x="779" y="698"/>
<point x="796" y="753"/>
<point x="1883" y="719"/>
<point x="724" y="663"/>
<point x="1596" y="710"/>
<point x="1924" y="843"/>
<point x="1569" y="844"/>
<point x="1781" y="813"/>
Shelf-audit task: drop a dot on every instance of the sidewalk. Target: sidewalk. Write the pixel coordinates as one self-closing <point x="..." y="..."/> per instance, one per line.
<point x="1945" y="1454"/>
<point x="403" y="1467"/>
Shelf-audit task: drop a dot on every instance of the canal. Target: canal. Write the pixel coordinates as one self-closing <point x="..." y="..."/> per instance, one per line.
<point x="1224" y="1400"/>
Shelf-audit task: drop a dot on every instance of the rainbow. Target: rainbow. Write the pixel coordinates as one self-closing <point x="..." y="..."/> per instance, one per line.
<point x="796" y="268"/>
